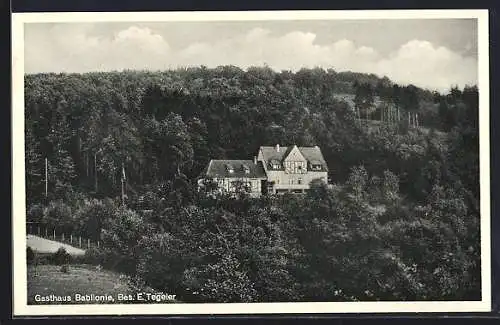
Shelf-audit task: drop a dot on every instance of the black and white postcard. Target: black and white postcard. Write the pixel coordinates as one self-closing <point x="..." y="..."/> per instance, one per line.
<point x="251" y="162"/>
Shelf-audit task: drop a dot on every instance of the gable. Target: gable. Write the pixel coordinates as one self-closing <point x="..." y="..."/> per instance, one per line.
<point x="309" y="155"/>
<point x="314" y="156"/>
<point x="294" y="154"/>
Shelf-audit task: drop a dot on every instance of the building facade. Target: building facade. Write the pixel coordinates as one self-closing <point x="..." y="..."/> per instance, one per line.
<point x="275" y="169"/>
<point x="292" y="169"/>
<point x="234" y="175"/>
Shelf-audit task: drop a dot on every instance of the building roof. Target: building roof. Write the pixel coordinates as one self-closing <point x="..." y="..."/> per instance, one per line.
<point x="219" y="169"/>
<point x="312" y="154"/>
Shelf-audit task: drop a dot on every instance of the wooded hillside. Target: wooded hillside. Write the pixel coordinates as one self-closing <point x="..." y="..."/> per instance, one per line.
<point x="401" y="222"/>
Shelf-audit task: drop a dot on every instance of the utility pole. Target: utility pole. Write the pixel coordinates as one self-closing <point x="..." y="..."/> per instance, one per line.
<point x="95" y="170"/>
<point x="123" y="184"/>
<point x="46" y="177"/>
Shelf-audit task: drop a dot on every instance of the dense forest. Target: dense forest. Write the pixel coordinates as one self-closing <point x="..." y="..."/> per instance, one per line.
<point x="400" y="220"/>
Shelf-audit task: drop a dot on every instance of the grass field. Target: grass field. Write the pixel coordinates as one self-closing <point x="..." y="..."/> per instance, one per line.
<point x="48" y="284"/>
<point x="46" y="280"/>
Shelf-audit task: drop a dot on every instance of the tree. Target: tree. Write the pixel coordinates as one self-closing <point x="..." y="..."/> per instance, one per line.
<point x="223" y="281"/>
<point x="92" y="216"/>
<point x="161" y="262"/>
<point x="59" y="215"/>
<point x="364" y="100"/>
<point x="171" y="145"/>
<point x="35" y="166"/>
<point x="357" y="182"/>
<point x="121" y="235"/>
<point x="390" y="186"/>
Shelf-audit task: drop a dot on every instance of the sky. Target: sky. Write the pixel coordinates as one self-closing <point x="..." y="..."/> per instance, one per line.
<point x="430" y="53"/>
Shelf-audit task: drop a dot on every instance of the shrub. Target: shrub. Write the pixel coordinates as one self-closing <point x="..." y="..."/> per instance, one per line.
<point x="95" y="256"/>
<point x="78" y="259"/>
<point x="35" y="212"/>
<point x="121" y="237"/>
<point x="59" y="214"/>
<point x="161" y="261"/>
<point x="30" y="255"/>
<point x="92" y="214"/>
<point x="43" y="258"/>
<point x="224" y="281"/>
<point x="107" y="259"/>
<point x="61" y="257"/>
<point x="65" y="268"/>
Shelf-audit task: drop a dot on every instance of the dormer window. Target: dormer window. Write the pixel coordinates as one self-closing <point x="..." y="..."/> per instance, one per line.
<point x="316" y="167"/>
<point x="229" y="169"/>
<point x="246" y="169"/>
<point x="275" y="164"/>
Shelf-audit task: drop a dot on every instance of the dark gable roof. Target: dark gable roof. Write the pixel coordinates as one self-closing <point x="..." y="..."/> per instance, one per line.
<point x="217" y="169"/>
<point x="312" y="154"/>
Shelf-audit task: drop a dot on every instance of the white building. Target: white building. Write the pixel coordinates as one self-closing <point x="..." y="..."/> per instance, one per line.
<point x="275" y="169"/>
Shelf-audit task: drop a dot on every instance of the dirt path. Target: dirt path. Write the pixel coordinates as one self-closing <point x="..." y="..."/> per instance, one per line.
<point x="42" y="245"/>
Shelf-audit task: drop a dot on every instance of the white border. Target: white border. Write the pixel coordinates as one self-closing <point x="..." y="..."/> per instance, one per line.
<point x="20" y="307"/>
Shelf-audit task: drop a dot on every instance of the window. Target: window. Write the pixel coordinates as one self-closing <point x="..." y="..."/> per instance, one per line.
<point x="241" y="186"/>
<point x="275" y="164"/>
<point x="301" y="168"/>
<point x="291" y="181"/>
<point x="246" y="169"/>
<point x="299" y="181"/>
<point x="316" y="167"/>
<point x="229" y="168"/>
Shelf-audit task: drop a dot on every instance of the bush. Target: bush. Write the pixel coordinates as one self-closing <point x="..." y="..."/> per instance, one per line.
<point x="161" y="262"/>
<point x="95" y="256"/>
<point x="92" y="215"/>
<point x="224" y="281"/>
<point x="59" y="214"/>
<point x="65" y="268"/>
<point x="43" y="258"/>
<point x="35" y="213"/>
<point x="107" y="259"/>
<point x="121" y="237"/>
<point x="30" y="255"/>
<point x="61" y="257"/>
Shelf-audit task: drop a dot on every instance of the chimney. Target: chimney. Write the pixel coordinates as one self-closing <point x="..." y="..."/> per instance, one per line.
<point x="278" y="148"/>
<point x="255" y="160"/>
